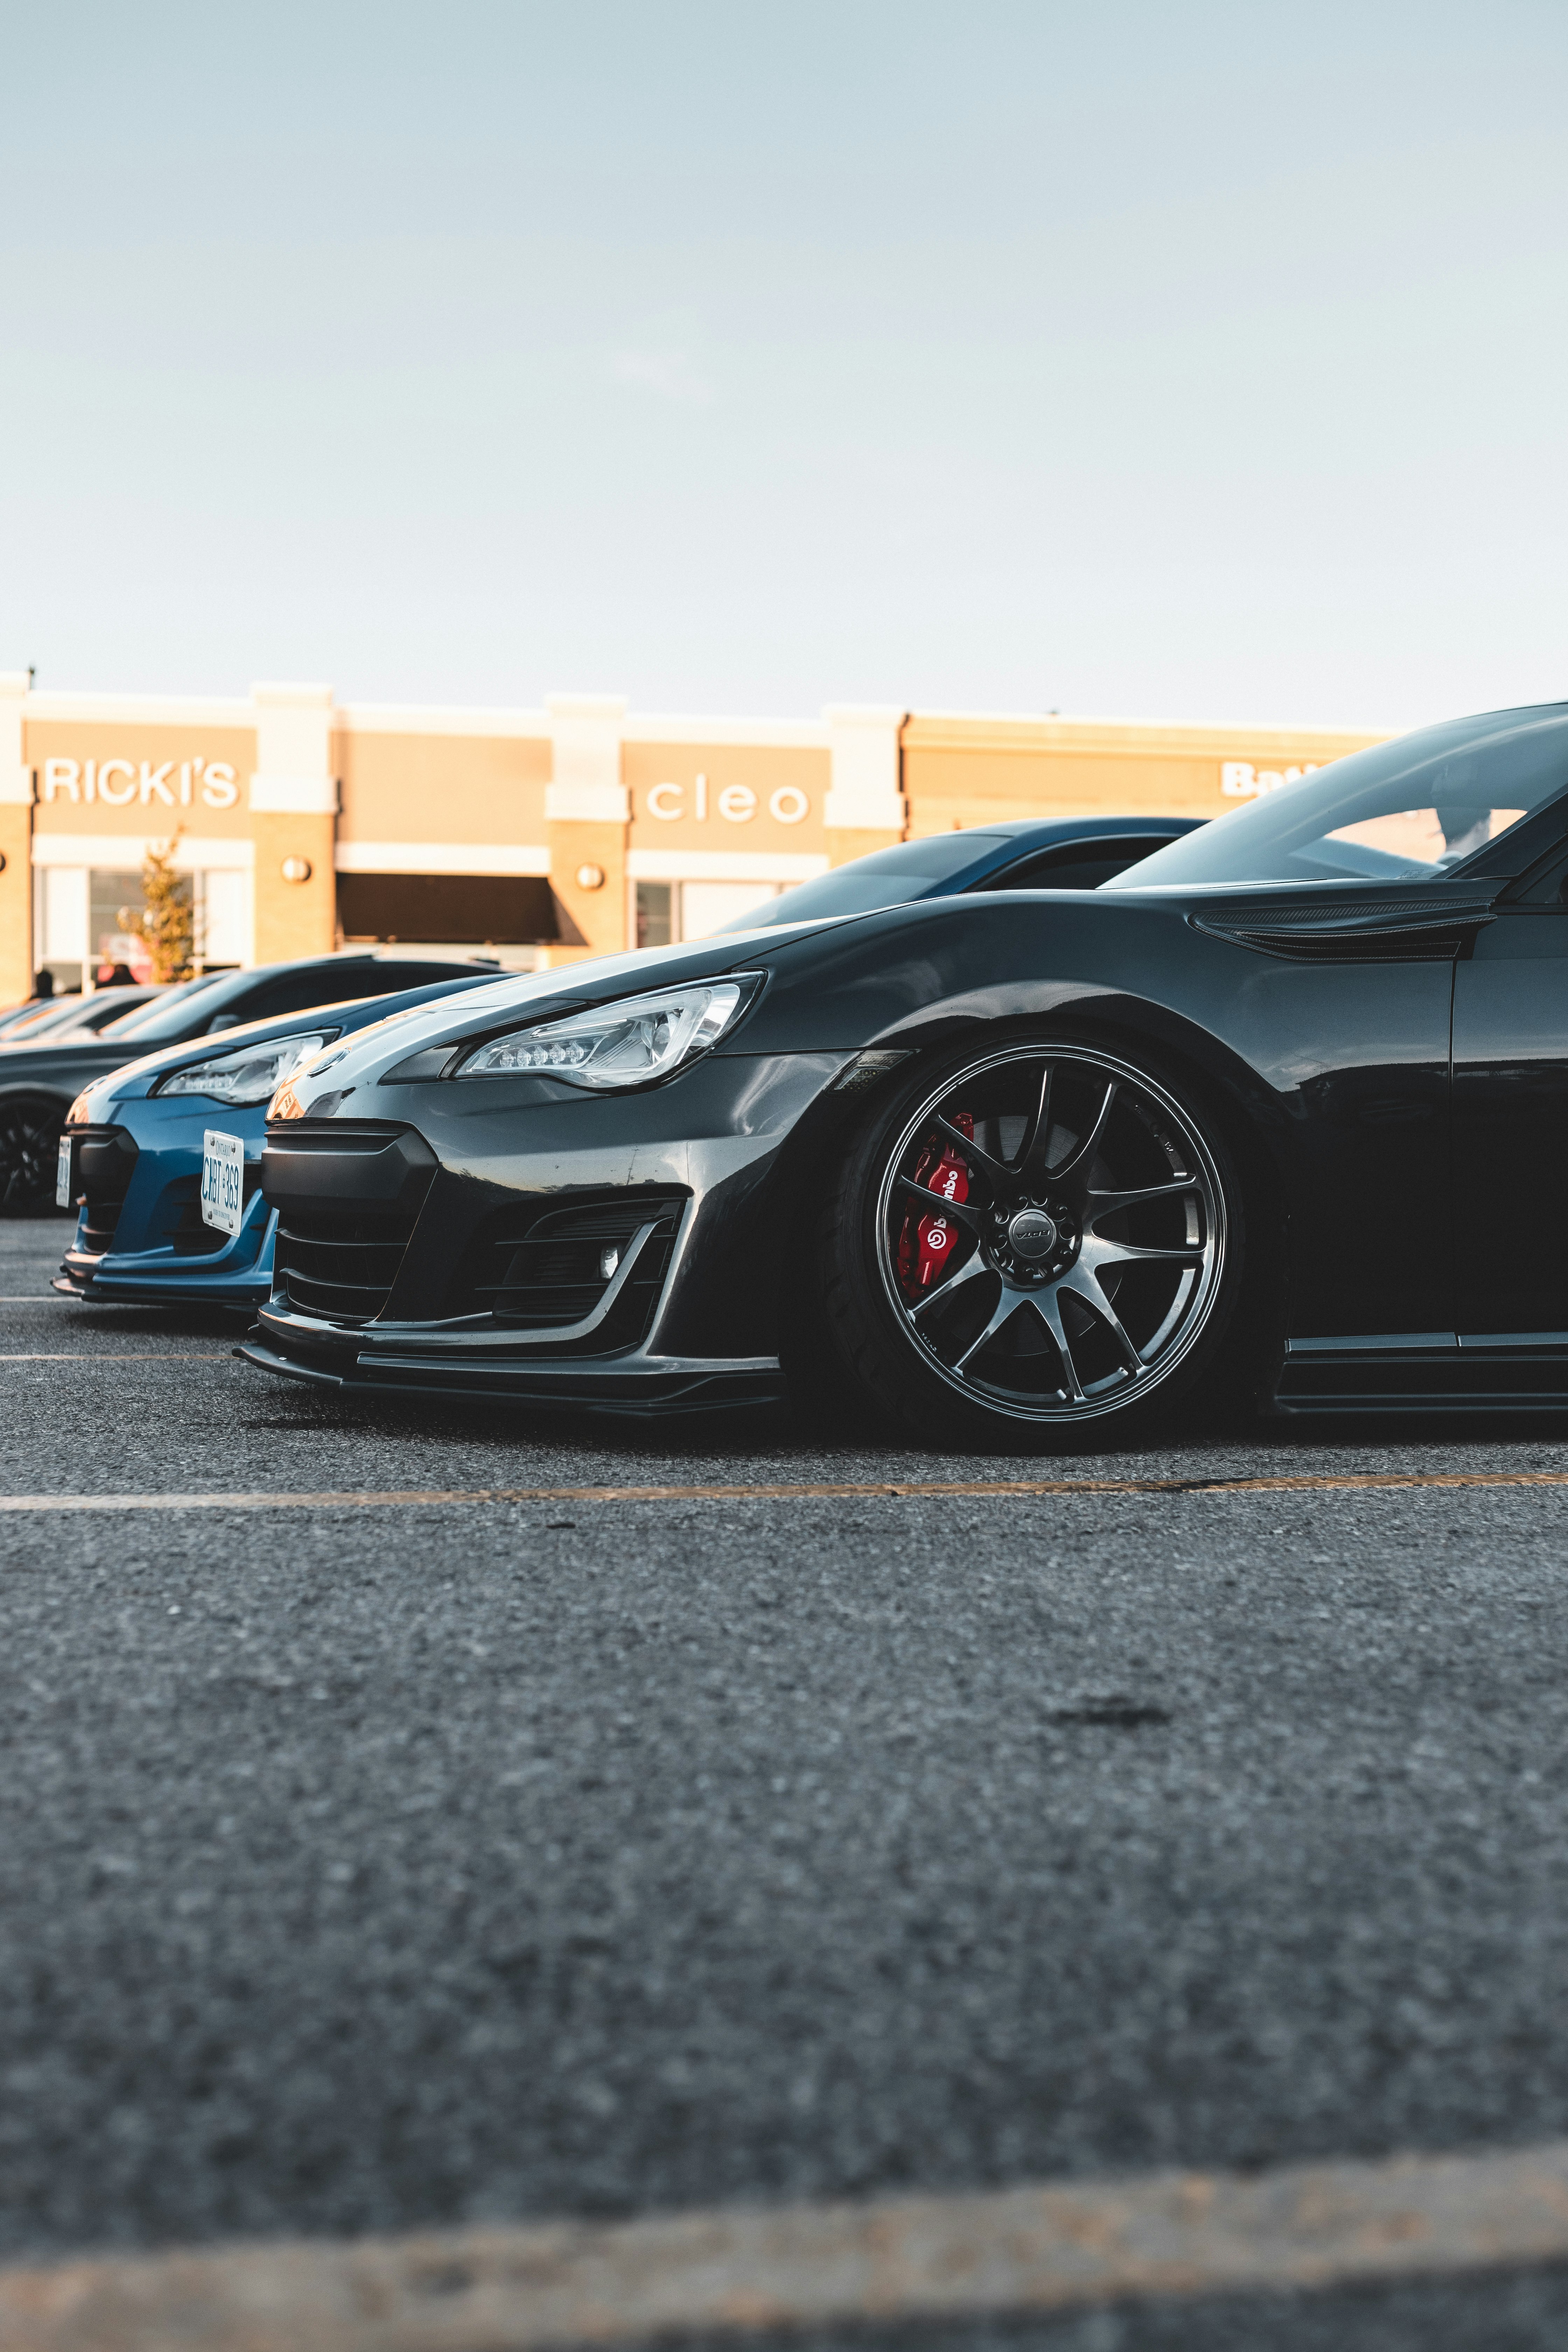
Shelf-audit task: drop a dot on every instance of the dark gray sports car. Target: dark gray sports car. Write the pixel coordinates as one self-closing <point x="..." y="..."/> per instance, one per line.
<point x="1005" y="1167"/>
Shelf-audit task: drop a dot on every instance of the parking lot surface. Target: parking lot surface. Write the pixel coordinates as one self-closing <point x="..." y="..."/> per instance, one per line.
<point x="362" y="1868"/>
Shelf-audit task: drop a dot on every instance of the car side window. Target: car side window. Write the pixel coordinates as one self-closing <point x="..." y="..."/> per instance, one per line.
<point x="387" y="978"/>
<point x="294" y="991"/>
<point x="1076" y="864"/>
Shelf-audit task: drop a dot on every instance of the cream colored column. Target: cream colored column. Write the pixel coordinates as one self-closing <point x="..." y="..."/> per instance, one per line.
<point x="293" y="815"/>
<point x="16" y="841"/>
<point x="588" y="810"/>
<point x="864" y="808"/>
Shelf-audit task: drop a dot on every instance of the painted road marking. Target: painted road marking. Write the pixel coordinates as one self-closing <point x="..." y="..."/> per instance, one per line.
<point x="904" y="1489"/>
<point x="1162" y="2235"/>
<point x="216" y="1354"/>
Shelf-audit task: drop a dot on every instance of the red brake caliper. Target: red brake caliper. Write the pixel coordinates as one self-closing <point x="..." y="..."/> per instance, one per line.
<point x="926" y="1241"/>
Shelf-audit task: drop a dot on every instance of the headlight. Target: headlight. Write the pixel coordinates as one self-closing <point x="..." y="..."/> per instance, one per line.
<point x="623" y="1044"/>
<point x="248" y="1076"/>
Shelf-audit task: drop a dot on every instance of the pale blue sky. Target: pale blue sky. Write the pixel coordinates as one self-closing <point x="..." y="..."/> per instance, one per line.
<point x="1194" y="360"/>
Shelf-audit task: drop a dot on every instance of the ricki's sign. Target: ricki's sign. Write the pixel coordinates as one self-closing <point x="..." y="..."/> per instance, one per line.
<point x="141" y="784"/>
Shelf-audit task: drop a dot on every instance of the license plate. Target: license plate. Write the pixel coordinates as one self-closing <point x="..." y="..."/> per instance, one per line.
<point x="63" y="1174"/>
<point x="223" y="1180"/>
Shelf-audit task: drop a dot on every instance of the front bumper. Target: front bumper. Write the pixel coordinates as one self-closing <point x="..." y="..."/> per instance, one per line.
<point x="461" y="1223"/>
<point x="239" y="1274"/>
<point x="140" y="1237"/>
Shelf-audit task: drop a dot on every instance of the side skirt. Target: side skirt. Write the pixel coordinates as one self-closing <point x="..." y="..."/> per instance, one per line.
<point x="1426" y="1372"/>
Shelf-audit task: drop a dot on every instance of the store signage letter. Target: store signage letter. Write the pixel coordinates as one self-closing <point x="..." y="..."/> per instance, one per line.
<point x="736" y="802"/>
<point x="118" y="783"/>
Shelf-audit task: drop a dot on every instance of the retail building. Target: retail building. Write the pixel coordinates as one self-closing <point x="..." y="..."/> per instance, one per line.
<point x="539" y="835"/>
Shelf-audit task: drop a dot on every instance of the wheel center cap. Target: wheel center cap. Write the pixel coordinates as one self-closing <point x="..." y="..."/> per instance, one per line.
<point x="1032" y="1234"/>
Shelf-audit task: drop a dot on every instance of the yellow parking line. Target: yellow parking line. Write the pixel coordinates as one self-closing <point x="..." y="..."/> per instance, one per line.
<point x="895" y="2260"/>
<point x="904" y="1489"/>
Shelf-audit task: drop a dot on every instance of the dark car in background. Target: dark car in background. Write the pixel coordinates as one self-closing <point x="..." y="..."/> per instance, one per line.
<point x="39" y="1083"/>
<point x="1058" y="853"/>
<point x="62" y="1016"/>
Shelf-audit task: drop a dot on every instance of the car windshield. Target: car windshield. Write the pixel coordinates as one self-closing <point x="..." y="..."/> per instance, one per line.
<point x="886" y="878"/>
<point x="1413" y="810"/>
<point x="167" y="1014"/>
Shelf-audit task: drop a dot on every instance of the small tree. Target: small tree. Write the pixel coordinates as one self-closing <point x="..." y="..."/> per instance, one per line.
<point x="166" y="924"/>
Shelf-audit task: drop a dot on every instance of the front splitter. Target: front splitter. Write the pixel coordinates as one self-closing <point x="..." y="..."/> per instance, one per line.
<point x="640" y="1386"/>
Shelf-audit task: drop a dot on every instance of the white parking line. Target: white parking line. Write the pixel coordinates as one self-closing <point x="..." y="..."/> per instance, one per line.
<point x="893" y="2260"/>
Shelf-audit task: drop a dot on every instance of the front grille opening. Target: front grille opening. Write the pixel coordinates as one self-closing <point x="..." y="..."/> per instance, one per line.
<point x="340" y="1259"/>
<point x="536" y="1270"/>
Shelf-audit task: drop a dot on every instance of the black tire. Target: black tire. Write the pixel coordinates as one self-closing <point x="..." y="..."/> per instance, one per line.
<point x="1087" y="1284"/>
<point x="30" y="1128"/>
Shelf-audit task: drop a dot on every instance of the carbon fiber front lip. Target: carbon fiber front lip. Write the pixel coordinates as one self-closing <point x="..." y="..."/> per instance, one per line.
<point x="626" y="1384"/>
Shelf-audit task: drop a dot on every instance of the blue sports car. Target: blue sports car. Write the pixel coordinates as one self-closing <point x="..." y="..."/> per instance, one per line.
<point x="161" y="1158"/>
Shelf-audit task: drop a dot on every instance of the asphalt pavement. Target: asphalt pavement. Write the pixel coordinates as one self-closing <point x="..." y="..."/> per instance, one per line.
<point x="362" y="1869"/>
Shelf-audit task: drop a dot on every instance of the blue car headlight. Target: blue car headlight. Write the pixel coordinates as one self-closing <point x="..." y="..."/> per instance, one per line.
<point x="250" y="1074"/>
<point x="630" y="1044"/>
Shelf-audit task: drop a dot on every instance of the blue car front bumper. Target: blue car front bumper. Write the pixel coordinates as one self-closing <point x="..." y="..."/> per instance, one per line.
<point x="140" y="1235"/>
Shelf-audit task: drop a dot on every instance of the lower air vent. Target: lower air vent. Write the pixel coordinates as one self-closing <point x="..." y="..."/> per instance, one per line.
<point x="553" y="1269"/>
<point x="105" y="1163"/>
<point x="181" y="1222"/>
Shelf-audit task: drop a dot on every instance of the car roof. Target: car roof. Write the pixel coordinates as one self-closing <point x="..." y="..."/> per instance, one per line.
<point x="1050" y="829"/>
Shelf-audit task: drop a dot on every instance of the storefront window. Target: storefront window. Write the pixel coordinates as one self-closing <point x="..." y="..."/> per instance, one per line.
<point x="654" y="914"/>
<point x="115" y="954"/>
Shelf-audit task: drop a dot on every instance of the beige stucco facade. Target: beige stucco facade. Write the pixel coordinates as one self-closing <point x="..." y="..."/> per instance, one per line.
<point x="543" y="835"/>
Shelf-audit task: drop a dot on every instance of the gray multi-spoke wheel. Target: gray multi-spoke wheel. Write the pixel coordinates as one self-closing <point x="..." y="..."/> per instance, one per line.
<point x="1043" y="1236"/>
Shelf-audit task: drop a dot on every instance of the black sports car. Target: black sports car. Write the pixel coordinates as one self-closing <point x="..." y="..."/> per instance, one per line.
<point x="39" y="1082"/>
<point x="1009" y="1168"/>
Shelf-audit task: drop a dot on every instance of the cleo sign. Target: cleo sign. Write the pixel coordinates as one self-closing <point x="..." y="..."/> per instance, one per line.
<point x="736" y="804"/>
<point x="120" y="782"/>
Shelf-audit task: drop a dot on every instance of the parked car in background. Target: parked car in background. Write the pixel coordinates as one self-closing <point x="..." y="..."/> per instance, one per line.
<point x="1057" y="853"/>
<point x="38" y="1083"/>
<point x="142" y="1154"/>
<point x="62" y="1017"/>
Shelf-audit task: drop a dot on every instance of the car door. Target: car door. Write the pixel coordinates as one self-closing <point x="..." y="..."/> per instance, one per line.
<point x="1343" y="1002"/>
<point x="1510" y="1238"/>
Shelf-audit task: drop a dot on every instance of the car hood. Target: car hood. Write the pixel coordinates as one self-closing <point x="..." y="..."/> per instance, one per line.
<point x="129" y="1081"/>
<point x="541" y="995"/>
<point x="363" y="1061"/>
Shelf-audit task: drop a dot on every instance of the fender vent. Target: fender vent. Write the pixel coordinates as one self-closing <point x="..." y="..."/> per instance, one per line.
<point x="1418" y="930"/>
